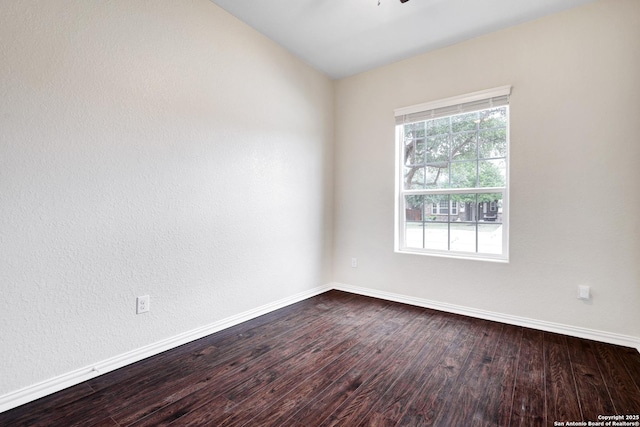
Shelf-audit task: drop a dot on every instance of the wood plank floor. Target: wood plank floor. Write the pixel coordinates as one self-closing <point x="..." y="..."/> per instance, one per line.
<point x="345" y="360"/>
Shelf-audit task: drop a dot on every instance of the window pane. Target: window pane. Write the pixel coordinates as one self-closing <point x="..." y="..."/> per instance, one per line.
<point x="490" y="238"/>
<point x="414" y="152"/>
<point x="463" y="236"/>
<point x="413" y="221"/>
<point x="436" y="208"/>
<point x="492" y="143"/>
<point x="466" y="204"/>
<point x="464" y="122"/>
<point x="414" y="234"/>
<point x="463" y="174"/>
<point x="493" y="118"/>
<point x="418" y="157"/>
<point x="490" y="208"/>
<point x="437" y="177"/>
<point x="463" y="146"/>
<point x="493" y="173"/>
<point x="436" y="235"/>
<point x="490" y="223"/>
<point x="438" y="149"/>
<point x="413" y="207"/>
<point x="414" y="130"/>
<point x="438" y="126"/>
<point x="413" y="178"/>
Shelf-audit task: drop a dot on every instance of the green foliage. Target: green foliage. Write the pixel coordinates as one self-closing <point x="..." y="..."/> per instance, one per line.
<point x="462" y="151"/>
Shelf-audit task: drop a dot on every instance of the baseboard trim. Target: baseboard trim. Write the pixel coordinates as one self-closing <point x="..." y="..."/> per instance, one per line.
<point x="44" y="388"/>
<point x="574" y="331"/>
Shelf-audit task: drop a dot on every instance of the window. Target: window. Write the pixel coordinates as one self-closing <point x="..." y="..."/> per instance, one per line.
<point x="452" y="192"/>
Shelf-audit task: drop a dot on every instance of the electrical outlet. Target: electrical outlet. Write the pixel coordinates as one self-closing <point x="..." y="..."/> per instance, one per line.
<point x="354" y="262"/>
<point x="584" y="292"/>
<point x="142" y="304"/>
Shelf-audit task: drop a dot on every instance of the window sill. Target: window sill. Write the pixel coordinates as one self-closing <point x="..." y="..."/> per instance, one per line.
<point x="454" y="255"/>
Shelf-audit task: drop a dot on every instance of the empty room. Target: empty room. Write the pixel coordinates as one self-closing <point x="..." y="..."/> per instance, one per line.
<point x="319" y="213"/>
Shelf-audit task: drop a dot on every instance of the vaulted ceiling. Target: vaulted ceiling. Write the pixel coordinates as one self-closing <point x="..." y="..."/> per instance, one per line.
<point x="346" y="37"/>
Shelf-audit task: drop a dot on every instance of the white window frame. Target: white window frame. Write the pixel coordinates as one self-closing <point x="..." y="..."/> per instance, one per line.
<point x="400" y="246"/>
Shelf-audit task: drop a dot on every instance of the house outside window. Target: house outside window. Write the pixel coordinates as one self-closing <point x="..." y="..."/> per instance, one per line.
<point x="444" y="209"/>
<point x="452" y="192"/>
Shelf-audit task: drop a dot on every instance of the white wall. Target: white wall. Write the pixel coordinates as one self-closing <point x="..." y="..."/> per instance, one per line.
<point x="159" y="148"/>
<point x="164" y="148"/>
<point x="575" y="177"/>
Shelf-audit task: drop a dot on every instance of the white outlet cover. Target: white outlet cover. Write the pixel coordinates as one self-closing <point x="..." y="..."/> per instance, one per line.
<point x="584" y="292"/>
<point x="142" y="304"/>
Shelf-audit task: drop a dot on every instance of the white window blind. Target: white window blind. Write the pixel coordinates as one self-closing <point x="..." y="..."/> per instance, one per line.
<point x="475" y="101"/>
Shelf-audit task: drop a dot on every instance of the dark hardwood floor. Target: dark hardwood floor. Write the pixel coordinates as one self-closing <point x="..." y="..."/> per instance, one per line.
<point x="346" y="360"/>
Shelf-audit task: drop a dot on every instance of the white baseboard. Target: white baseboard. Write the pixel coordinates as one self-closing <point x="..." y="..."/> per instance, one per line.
<point x="44" y="388"/>
<point x="574" y="331"/>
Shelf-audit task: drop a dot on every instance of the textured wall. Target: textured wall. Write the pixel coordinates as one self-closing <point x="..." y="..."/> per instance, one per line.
<point x="150" y="147"/>
<point x="575" y="180"/>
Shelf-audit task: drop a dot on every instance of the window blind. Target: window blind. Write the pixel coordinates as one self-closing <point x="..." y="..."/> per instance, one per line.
<point x="476" y="101"/>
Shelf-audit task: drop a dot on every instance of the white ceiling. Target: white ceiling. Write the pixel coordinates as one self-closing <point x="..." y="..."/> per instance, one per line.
<point x="346" y="37"/>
